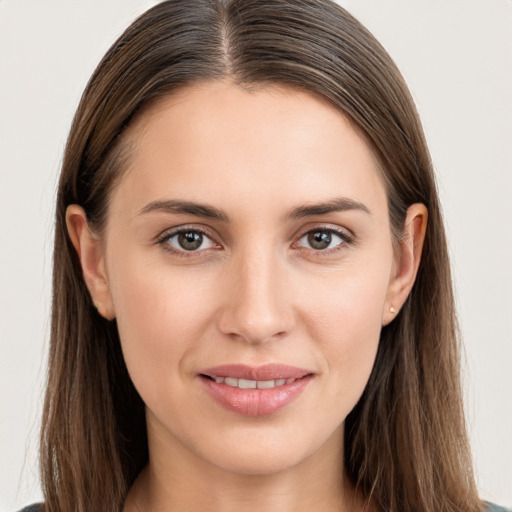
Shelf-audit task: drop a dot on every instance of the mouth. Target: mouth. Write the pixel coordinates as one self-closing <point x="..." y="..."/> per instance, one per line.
<point x="263" y="373"/>
<point x="255" y="391"/>
<point x="249" y="383"/>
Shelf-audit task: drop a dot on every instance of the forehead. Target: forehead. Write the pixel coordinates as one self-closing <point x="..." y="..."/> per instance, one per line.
<point x="216" y="138"/>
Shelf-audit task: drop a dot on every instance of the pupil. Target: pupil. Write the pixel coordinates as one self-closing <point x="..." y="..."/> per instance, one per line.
<point x="319" y="239"/>
<point x="190" y="240"/>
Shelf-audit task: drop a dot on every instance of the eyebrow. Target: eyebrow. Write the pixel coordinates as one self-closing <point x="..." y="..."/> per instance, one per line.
<point x="184" y="207"/>
<point x="177" y="206"/>
<point x="339" y="204"/>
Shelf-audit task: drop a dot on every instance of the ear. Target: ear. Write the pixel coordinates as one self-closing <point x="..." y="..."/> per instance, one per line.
<point x="91" y="258"/>
<point x="406" y="262"/>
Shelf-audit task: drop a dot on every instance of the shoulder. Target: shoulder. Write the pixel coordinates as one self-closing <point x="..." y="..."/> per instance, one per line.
<point x="33" y="508"/>
<point x="495" y="508"/>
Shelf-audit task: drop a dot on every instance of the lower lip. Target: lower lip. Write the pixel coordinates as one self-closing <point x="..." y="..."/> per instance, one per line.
<point x="255" y="402"/>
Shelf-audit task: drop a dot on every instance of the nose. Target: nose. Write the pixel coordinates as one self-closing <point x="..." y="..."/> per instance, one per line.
<point x="259" y="299"/>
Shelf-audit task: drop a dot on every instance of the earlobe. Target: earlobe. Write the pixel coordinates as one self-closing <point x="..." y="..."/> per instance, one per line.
<point x="407" y="261"/>
<point x="92" y="261"/>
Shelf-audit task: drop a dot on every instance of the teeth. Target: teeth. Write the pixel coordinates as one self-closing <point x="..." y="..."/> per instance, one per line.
<point x="247" y="384"/>
<point x="265" y="384"/>
<point x="252" y="384"/>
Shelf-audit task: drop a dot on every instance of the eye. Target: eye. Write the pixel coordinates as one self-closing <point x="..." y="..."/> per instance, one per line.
<point x="187" y="240"/>
<point x="323" y="239"/>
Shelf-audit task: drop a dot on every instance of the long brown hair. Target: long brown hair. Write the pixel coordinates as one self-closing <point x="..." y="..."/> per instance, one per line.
<point x="406" y="446"/>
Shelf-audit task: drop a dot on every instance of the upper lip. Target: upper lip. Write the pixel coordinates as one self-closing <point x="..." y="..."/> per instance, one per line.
<point x="271" y="371"/>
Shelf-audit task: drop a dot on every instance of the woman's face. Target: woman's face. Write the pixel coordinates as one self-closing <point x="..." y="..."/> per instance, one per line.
<point x="251" y="228"/>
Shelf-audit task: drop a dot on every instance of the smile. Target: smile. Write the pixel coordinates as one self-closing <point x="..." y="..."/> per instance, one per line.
<point x="254" y="397"/>
<point x="252" y="384"/>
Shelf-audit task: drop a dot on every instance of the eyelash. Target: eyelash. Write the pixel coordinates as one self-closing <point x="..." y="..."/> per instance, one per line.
<point x="167" y="236"/>
<point x="346" y="240"/>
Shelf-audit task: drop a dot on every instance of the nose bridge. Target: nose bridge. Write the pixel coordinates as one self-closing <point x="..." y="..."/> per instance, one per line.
<point x="258" y="308"/>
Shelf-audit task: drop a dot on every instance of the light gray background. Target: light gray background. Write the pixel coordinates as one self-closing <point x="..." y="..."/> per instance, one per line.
<point x="457" y="58"/>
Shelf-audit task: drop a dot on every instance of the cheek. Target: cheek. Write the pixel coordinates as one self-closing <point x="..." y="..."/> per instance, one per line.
<point x="346" y="319"/>
<point x="348" y="305"/>
<point x="160" y="315"/>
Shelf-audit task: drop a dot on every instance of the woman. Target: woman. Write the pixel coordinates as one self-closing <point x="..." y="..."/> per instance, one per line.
<point x="252" y="299"/>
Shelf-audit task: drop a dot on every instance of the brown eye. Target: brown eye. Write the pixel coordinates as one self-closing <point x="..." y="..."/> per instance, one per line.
<point x="190" y="240"/>
<point x="322" y="239"/>
<point x="319" y="240"/>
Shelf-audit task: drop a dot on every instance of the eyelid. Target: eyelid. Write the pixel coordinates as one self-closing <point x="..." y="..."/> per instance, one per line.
<point x="345" y="234"/>
<point x="167" y="234"/>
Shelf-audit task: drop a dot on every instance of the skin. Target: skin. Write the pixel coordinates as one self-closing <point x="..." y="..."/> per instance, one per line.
<point x="255" y="292"/>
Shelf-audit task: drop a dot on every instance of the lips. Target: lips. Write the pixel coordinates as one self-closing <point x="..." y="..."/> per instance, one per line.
<point x="265" y="372"/>
<point x="255" y="391"/>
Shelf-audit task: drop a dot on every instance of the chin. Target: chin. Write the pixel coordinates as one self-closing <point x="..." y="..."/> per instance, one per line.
<point x="257" y="463"/>
<point x="265" y="451"/>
